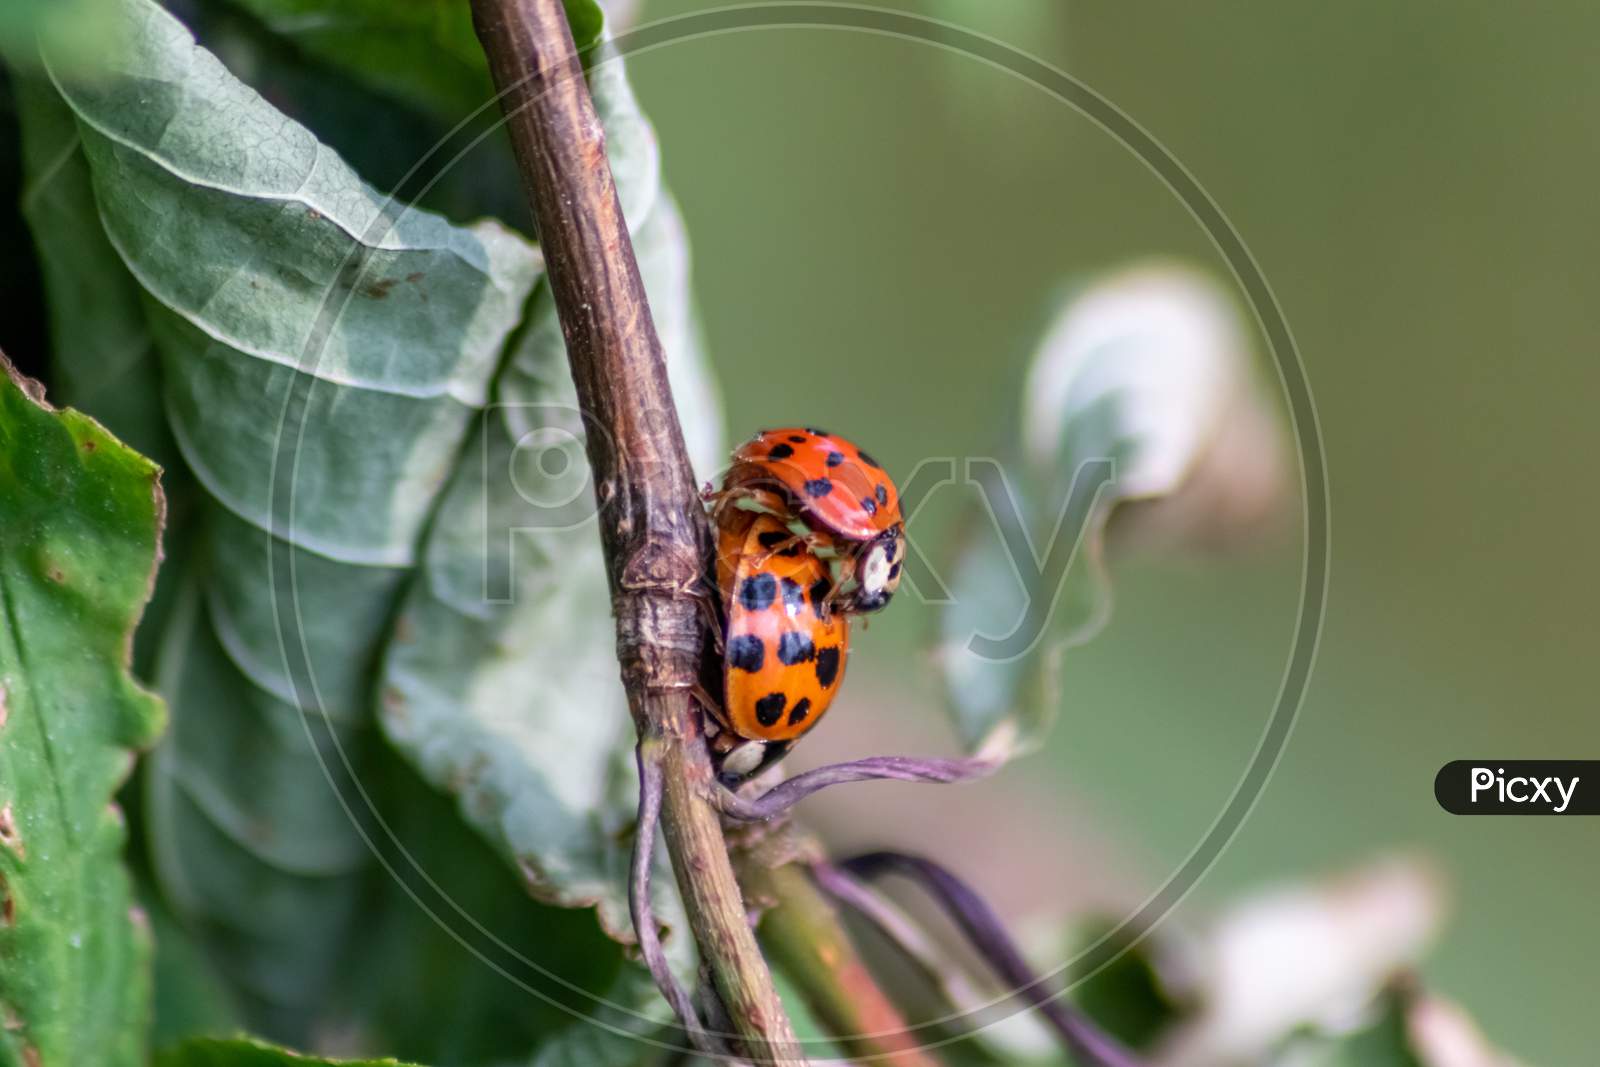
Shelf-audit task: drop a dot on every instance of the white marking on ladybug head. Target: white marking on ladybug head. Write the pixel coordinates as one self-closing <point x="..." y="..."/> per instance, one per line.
<point x="875" y="570"/>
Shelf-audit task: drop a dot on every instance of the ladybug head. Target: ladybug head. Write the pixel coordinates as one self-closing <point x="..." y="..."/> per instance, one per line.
<point x="878" y="570"/>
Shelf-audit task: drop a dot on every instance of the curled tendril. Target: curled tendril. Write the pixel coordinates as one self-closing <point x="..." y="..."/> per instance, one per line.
<point x="987" y="936"/>
<point x="897" y="928"/>
<point x="648" y="758"/>
<point x="783" y="796"/>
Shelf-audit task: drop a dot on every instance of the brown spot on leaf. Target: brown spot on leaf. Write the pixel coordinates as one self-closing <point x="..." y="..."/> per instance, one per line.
<point x="414" y="277"/>
<point x="379" y="289"/>
<point x="30" y="1057"/>
<point x="9" y="835"/>
<point x="5" y="712"/>
<point x="313" y="214"/>
<point x="89" y="445"/>
<point x="394" y="704"/>
<point x="8" y="904"/>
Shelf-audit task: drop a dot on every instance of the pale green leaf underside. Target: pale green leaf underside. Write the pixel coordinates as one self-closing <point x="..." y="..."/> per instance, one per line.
<point x="501" y="684"/>
<point x="307" y="329"/>
<point x="289" y="302"/>
<point x="80" y="527"/>
<point x="1127" y="390"/>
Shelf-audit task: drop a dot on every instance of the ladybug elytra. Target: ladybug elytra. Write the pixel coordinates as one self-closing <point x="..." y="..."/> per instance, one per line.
<point x="834" y="497"/>
<point x="784" y="654"/>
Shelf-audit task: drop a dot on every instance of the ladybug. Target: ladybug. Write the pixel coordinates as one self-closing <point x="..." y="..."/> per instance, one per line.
<point x="832" y="496"/>
<point x="783" y="653"/>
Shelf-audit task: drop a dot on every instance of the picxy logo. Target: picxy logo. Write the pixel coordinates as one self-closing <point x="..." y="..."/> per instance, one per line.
<point x="1523" y="790"/>
<point x="1518" y="787"/>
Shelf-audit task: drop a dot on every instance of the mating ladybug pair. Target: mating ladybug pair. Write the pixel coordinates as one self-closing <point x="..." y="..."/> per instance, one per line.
<point x="809" y="532"/>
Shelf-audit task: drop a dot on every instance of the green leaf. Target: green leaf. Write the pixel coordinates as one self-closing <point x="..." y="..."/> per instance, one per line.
<point x="1131" y="997"/>
<point x="247" y="1052"/>
<point x="104" y="361"/>
<point x="1403" y="1026"/>
<point x="424" y="51"/>
<point x="424" y="56"/>
<point x="247" y="245"/>
<point x="80" y="530"/>
<point x="501" y="683"/>
<point x="189" y="998"/>
<point x="288" y="302"/>
<point x="1382" y="1040"/>
<point x="1134" y="381"/>
<point x="459" y="965"/>
<point x="74" y="29"/>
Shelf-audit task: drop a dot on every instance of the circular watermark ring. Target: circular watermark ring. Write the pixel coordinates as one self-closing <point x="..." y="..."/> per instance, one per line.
<point x="1166" y="168"/>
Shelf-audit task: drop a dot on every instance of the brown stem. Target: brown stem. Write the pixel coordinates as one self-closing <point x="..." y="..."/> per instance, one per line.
<point x="652" y="524"/>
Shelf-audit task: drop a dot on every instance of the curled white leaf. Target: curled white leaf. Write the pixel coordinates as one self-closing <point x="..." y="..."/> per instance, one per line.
<point x="1304" y="956"/>
<point x="1160" y="343"/>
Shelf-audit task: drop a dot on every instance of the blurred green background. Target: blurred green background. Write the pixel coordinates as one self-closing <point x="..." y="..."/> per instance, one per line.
<point x="878" y="227"/>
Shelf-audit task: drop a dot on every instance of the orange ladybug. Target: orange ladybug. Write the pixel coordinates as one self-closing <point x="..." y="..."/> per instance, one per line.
<point x="783" y="654"/>
<point x="832" y="496"/>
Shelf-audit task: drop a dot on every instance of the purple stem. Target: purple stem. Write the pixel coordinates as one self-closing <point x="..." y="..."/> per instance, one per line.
<point x="783" y="796"/>
<point x="895" y="927"/>
<point x="644" y="920"/>
<point x="987" y="935"/>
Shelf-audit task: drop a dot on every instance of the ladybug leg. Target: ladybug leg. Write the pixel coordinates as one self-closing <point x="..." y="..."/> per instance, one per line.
<point x="761" y="558"/>
<point x="828" y="601"/>
<point x="708" y="612"/>
<point x="708" y="703"/>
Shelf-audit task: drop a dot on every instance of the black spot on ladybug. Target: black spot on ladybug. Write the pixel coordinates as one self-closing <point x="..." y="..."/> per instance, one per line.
<point x="819" y="591"/>
<point x="868" y="460"/>
<point x="795" y="648"/>
<point x="794" y="598"/>
<point x="835" y="458"/>
<point x="881" y="493"/>
<point x="798" y="713"/>
<point x="819" y="433"/>
<point x="746" y="652"/>
<point x="870" y="505"/>
<point x="827" y="665"/>
<point x="818" y="487"/>
<point x="756" y="592"/>
<point x="769" y="709"/>
<point x="797" y="439"/>
<point x="894" y="572"/>
<point x="780" y="452"/>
